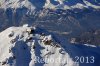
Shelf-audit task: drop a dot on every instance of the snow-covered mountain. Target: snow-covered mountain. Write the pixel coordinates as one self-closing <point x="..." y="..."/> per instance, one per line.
<point x="55" y="24"/>
<point x="74" y="16"/>
<point x="32" y="46"/>
<point x="52" y="4"/>
<point x="22" y="46"/>
<point x="16" y="4"/>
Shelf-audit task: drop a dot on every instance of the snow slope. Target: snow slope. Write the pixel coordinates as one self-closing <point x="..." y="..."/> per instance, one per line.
<point x="29" y="46"/>
<point x="20" y="48"/>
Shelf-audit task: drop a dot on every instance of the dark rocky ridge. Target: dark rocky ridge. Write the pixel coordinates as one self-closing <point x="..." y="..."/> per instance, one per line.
<point x="67" y="23"/>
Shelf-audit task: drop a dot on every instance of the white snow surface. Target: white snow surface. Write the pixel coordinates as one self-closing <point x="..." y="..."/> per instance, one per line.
<point x="19" y="46"/>
<point x="16" y="49"/>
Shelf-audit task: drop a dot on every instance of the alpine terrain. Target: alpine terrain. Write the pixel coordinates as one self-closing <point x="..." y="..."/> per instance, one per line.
<point x="33" y="46"/>
<point x="49" y="32"/>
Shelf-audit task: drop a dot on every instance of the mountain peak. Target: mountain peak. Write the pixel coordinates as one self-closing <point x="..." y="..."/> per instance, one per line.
<point x="31" y="46"/>
<point x="25" y="46"/>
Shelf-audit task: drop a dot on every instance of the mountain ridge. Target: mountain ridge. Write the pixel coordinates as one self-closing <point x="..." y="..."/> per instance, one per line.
<point x="29" y="46"/>
<point x="51" y="4"/>
<point x="24" y="47"/>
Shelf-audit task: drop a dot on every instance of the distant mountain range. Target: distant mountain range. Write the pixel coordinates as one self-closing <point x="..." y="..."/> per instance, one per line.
<point x="68" y="18"/>
<point x="51" y="4"/>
